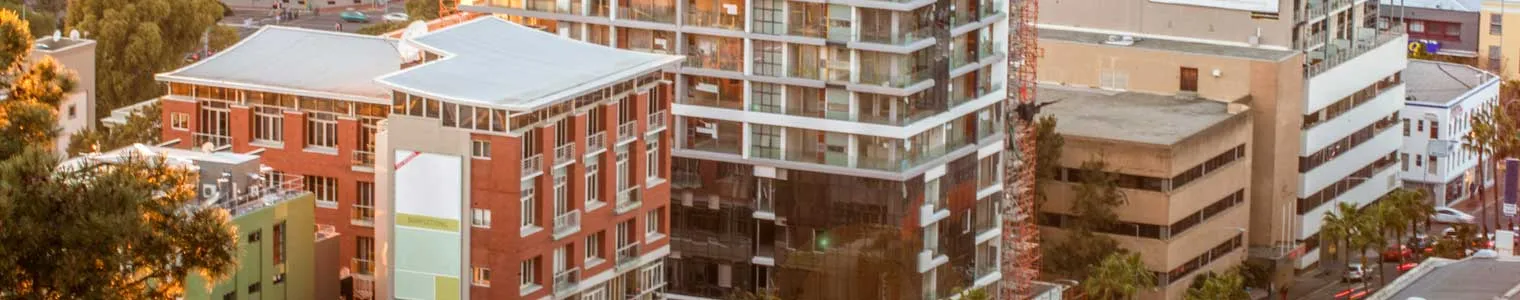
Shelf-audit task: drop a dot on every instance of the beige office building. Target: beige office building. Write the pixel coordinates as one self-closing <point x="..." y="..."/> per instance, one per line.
<point x="1322" y="86"/>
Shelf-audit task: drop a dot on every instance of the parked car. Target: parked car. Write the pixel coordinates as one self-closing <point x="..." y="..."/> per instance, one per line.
<point x="1397" y="252"/>
<point x="1452" y="215"/>
<point x="396" y="17"/>
<point x="353" y="16"/>
<point x="1354" y="272"/>
<point x="1421" y="243"/>
<point x="1405" y="267"/>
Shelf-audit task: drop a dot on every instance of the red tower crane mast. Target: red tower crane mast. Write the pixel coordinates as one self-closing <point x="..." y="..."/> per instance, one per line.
<point x="1020" y="234"/>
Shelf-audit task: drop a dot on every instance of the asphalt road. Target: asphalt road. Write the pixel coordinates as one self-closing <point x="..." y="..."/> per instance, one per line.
<point x="252" y="18"/>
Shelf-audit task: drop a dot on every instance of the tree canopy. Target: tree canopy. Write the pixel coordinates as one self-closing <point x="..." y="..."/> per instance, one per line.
<point x="131" y="230"/>
<point x="1212" y="286"/>
<point x="138" y="38"/>
<point x="1118" y="276"/>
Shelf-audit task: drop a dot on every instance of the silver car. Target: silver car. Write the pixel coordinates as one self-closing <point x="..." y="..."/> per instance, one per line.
<point x="1354" y="272"/>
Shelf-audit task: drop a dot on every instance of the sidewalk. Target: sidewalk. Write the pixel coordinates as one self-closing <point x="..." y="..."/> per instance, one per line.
<point x="1310" y="283"/>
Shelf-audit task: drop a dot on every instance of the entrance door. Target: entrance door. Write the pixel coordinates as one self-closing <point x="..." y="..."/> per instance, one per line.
<point x="1189" y="79"/>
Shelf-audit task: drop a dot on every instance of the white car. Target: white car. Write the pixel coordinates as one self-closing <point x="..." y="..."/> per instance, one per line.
<point x="1354" y="272"/>
<point x="1451" y="215"/>
<point x="396" y="17"/>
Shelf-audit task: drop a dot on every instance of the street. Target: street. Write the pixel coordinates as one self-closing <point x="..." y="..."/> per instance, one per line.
<point x="250" y="17"/>
<point x="1326" y="282"/>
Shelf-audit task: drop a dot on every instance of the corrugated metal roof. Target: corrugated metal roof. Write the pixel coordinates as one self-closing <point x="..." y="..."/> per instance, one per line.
<point x="300" y="61"/>
<point x="493" y="62"/>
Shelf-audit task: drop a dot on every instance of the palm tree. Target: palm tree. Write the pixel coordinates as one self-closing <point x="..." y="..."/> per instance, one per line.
<point x="1412" y="203"/>
<point x="1210" y="286"/>
<point x="1119" y="276"/>
<point x="1339" y="226"/>
<point x="1492" y="133"/>
<point x="1388" y="216"/>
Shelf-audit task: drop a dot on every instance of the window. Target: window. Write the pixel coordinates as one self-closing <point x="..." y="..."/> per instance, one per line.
<point x="1416" y="26"/>
<point x="652" y="224"/>
<point x="561" y="192"/>
<point x="179" y="121"/>
<point x="255" y="288"/>
<point x="651" y="159"/>
<point x="364" y="255"/>
<point x="651" y="277"/>
<point x="1432" y="169"/>
<point x="279" y="243"/>
<point x="268" y="124"/>
<point x="480" y="149"/>
<point x="1406" y="127"/>
<point x="1495" y="58"/>
<point x="1453" y="29"/>
<point x="529" y="273"/>
<point x="321" y="130"/>
<point x="765" y="97"/>
<point x="1435" y="129"/>
<point x="480" y="218"/>
<point x="364" y="205"/>
<point x="1419" y="160"/>
<point x="255" y="237"/>
<point x="766" y="140"/>
<point x="1419" y="125"/>
<point x="593" y="181"/>
<point x="1404" y="162"/>
<point x="1495" y="23"/>
<point x="325" y="188"/>
<point x="73" y="111"/>
<point x="561" y="259"/>
<point x="529" y="204"/>
<point x="768" y="57"/>
<point x="596" y="120"/>
<point x="931" y="193"/>
<point x="594" y="247"/>
<point x="623" y="178"/>
<point x="530" y="144"/>
<point x="482" y="276"/>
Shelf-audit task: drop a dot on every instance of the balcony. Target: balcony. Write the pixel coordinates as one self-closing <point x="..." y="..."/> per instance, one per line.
<point x="899" y="80"/>
<point x="364" y="159"/>
<point x="566" y="281"/>
<point x="886" y="37"/>
<point x="626" y="132"/>
<point x="363" y="215"/>
<point x="685" y="179"/>
<point x="217" y="141"/>
<point x="567" y="223"/>
<point x="550" y="6"/>
<point x="1341" y="51"/>
<point x="715" y="19"/>
<point x="564" y="154"/>
<point x="665" y="15"/>
<point x="361" y="266"/>
<point x="533" y="165"/>
<point x="628" y="200"/>
<point x="655" y="122"/>
<point x="628" y="256"/>
<point x="914" y="159"/>
<point x="364" y="287"/>
<point x="715" y="61"/>
<point x="596" y="142"/>
<point x="812" y="29"/>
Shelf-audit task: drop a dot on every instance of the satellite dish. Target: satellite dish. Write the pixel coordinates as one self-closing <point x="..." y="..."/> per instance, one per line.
<point x="57" y="35"/>
<point x="74" y="34"/>
<point x="407" y="51"/>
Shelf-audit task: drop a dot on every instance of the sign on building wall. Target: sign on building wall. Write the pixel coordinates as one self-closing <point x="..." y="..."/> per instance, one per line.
<point x="428" y="238"/>
<point x="1269" y="6"/>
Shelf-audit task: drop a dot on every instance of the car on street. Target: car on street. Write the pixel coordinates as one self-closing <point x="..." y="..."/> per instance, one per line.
<point x="1421" y="243"/>
<point x="395" y="17"/>
<point x="1405" y="267"/>
<point x="1397" y="253"/>
<point x="1452" y="215"/>
<point x="1354" y="272"/>
<point x="353" y="16"/>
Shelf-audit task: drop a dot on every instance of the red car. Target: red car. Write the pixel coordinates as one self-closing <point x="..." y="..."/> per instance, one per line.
<point x="1396" y="252"/>
<point x="1405" y="267"/>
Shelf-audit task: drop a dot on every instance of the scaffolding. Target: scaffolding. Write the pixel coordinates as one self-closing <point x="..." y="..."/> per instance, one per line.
<point x="1020" y="234"/>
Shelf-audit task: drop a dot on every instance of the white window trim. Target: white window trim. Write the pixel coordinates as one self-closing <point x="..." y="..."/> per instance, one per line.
<point x="480" y="218"/>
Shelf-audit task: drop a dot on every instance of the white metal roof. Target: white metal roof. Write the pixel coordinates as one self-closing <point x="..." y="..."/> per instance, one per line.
<point x="496" y="63"/>
<point x="300" y="62"/>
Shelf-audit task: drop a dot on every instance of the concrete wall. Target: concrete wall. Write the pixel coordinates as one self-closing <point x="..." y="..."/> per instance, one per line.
<point x="1509" y="67"/>
<point x="256" y="261"/>
<point x="1150" y="71"/>
<point x="1152" y="17"/>
<point x="1466" y="44"/>
<point x="77" y="111"/>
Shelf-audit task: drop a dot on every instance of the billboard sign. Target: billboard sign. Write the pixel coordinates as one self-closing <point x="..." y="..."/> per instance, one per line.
<point x="1511" y="178"/>
<point x="428" y="234"/>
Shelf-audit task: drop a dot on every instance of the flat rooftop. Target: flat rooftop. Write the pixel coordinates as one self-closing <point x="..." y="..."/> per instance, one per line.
<point x="1129" y="116"/>
<point x="172" y="156"/>
<point x="1441" y="83"/>
<point x="48" y="44"/>
<point x="1168" y="45"/>
<point x="300" y="61"/>
<point x="492" y="62"/>
<point x="1471" y="278"/>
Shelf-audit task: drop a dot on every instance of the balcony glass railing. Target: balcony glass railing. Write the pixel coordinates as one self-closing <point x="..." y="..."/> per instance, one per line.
<point x="363" y="159"/>
<point x="656" y="121"/>
<point x="911" y="160"/>
<point x="715" y="62"/>
<point x="362" y="266"/>
<point x="551" y="7"/>
<point x="715" y="19"/>
<point x="901" y="80"/>
<point x="567" y="223"/>
<point x="628" y="199"/>
<point x="628" y="255"/>
<point x="807" y="29"/>
<point x="533" y="165"/>
<point x="1331" y="55"/>
<point x="665" y="15"/>
<point x="627" y="132"/>
<point x="885" y="36"/>
<point x="564" y="154"/>
<point x="566" y="281"/>
<point x="363" y="215"/>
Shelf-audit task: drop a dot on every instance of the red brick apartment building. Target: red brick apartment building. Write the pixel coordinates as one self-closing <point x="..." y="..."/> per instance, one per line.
<point x="426" y="153"/>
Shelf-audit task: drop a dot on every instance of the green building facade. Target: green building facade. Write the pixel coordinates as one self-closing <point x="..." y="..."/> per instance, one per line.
<point x="275" y="254"/>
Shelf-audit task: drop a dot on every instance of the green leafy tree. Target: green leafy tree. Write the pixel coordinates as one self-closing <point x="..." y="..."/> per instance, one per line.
<point x="422" y="9"/>
<point x="1048" y="144"/>
<point x="136" y="39"/>
<point x="1096" y="197"/>
<point x="46" y="82"/>
<point x="141" y="127"/>
<point x="222" y="36"/>
<point x="1255" y="273"/>
<point x="1118" y="276"/>
<point x="381" y="28"/>
<point x="1412" y="203"/>
<point x="15" y="45"/>
<point x="1211" y="286"/>
<point x="1070" y="255"/>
